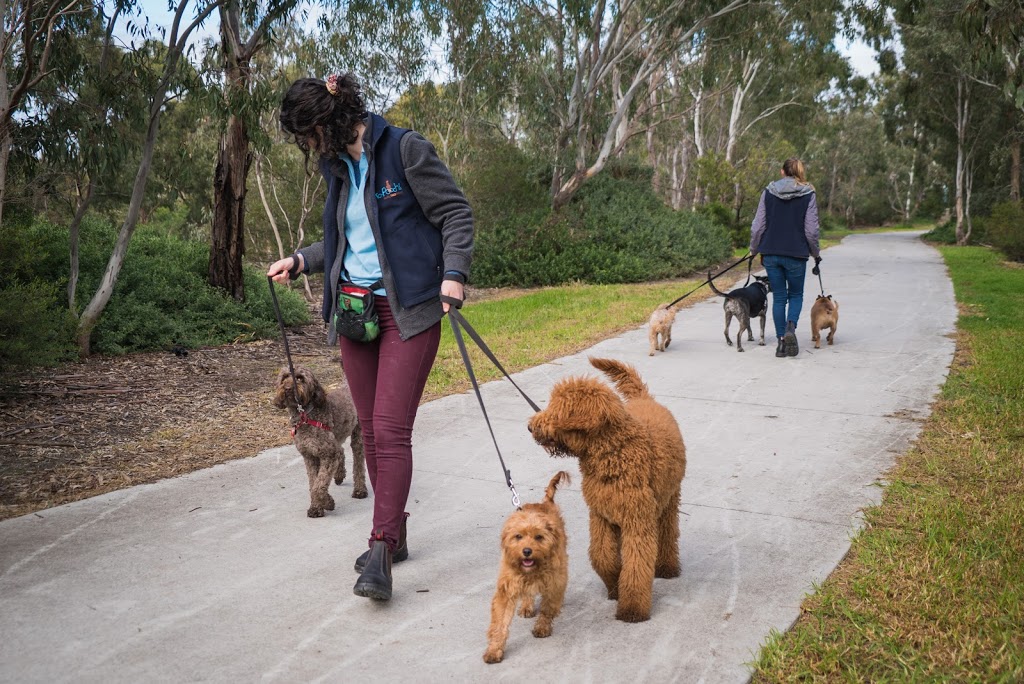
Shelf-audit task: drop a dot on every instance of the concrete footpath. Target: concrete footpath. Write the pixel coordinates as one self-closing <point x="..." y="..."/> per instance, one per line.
<point x="219" y="576"/>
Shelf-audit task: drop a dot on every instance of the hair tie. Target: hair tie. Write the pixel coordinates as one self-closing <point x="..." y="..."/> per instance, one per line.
<point x="332" y="84"/>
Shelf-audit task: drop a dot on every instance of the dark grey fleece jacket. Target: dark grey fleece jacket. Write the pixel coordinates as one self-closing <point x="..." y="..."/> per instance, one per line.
<point x="439" y="198"/>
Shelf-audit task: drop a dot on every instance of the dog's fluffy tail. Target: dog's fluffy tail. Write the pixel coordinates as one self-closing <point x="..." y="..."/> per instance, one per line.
<point x="625" y="377"/>
<point x="561" y="477"/>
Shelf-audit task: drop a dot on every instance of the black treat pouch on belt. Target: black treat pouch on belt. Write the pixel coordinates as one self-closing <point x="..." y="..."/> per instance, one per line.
<point x="356" y="315"/>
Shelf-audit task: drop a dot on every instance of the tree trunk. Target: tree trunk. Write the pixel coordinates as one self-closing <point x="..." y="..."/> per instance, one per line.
<point x="1015" y="143"/>
<point x="91" y="314"/>
<point x="228" y="239"/>
<point x="962" y="116"/>
<point x="5" y="138"/>
<point x="84" y="200"/>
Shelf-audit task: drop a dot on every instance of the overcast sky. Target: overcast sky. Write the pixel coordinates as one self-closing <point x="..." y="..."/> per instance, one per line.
<point x="861" y="56"/>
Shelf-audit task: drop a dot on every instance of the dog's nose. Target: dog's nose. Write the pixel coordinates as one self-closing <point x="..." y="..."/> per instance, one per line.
<point x="527" y="552"/>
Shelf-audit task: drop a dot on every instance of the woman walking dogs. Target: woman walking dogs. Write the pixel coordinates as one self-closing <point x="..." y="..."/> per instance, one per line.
<point x="785" y="233"/>
<point x="398" y="232"/>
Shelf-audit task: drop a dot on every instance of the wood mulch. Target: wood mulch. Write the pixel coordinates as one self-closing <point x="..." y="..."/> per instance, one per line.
<point x="95" y="426"/>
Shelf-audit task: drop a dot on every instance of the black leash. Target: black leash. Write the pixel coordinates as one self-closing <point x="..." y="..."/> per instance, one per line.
<point x="284" y="336"/>
<point x="459" y="323"/>
<point x="748" y="258"/>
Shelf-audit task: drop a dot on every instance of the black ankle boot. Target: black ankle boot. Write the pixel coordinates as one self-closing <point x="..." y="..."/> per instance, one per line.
<point x="780" y="351"/>
<point x="792" y="348"/>
<point x="401" y="553"/>
<point x="375" y="580"/>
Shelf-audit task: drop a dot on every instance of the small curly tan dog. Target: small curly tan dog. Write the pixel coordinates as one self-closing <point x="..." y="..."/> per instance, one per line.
<point x="533" y="562"/>
<point x="632" y="459"/>
<point x="321" y="421"/>
<point x="659" y="333"/>
<point x="824" y="314"/>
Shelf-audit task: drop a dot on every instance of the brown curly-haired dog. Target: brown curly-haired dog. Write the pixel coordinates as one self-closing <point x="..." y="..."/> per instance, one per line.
<point x="533" y="562"/>
<point x="632" y="459"/>
<point x="659" y="332"/>
<point x="321" y="421"/>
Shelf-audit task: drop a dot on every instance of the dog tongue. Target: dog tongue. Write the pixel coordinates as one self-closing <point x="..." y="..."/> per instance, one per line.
<point x="528" y="562"/>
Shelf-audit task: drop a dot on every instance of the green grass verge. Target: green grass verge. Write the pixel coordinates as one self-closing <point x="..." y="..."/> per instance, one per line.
<point x="933" y="586"/>
<point x="533" y="328"/>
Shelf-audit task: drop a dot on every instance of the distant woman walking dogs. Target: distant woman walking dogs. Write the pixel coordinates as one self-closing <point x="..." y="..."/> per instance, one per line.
<point x="785" y="233"/>
<point x="398" y="232"/>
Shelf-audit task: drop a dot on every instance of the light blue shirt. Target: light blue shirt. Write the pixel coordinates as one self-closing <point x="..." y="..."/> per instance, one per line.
<point x="362" y="263"/>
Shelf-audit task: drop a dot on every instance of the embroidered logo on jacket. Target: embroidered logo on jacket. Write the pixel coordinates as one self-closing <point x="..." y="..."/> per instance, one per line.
<point x="389" y="190"/>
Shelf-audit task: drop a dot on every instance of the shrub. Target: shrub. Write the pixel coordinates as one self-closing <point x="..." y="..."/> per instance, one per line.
<point x="35" y="329"/>
<point x="1005" y="229"/>
<point x="616" y="230"/>
<point x="161" y="296"/>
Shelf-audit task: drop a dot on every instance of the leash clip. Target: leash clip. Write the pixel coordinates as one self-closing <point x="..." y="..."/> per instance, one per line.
<point x="515" y="496"/>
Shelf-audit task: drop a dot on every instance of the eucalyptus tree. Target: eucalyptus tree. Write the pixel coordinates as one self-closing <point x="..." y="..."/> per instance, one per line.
<point x="83" y="123"/>
<point x="994" y="30"/>
<point x="160" y="89"/>
<point x="31" y="29"/>
<point x="246" y="28"/>
<point x="756" y="65"/>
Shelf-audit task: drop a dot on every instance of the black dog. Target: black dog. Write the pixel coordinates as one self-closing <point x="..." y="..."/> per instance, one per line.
<point x="745" y="303"/>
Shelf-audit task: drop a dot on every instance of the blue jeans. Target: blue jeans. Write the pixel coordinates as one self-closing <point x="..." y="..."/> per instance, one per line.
<point x="786" y="275"/>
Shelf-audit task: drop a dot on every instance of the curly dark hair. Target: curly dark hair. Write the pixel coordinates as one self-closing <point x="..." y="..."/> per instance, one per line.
<point x="309" y="104"/>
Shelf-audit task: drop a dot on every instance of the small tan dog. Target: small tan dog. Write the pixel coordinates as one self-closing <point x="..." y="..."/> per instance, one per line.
<point x="632" y="458"/>
<point x="533" y="562"/>
<point x="824" y="314"/>
<point x="660" y="331"/>
<point x="321" y="421"/>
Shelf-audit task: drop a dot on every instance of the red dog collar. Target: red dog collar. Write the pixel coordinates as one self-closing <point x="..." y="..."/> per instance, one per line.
<point x="306" y="420"/>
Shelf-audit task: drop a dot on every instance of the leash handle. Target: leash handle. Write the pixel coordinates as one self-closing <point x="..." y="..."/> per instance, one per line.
<point x="456" y="331"/>
<point x="284" y="336"/>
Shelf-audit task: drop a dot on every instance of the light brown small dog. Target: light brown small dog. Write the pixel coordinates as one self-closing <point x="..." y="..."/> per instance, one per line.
<point x="659" y="333"/>
<point x="632" y="458"/>
<point x="321" y="421"/>
<point x="824" y="314"/>
<point x="533" y="562"/>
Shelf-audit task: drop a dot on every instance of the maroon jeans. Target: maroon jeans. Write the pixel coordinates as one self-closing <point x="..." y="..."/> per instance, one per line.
<point x="387" y="377"/>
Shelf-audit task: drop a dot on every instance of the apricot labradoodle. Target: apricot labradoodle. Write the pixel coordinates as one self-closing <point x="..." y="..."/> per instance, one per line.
<point x="533" y="562"/>
<point x="632" y="458"/>
<point x="321" y="421"/>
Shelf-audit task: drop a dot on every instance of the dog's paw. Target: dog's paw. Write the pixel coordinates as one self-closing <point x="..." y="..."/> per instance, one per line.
<point x="613" y="594"/>
<point x="739" y="349"/>
<point x="528" y="611"/>
<point x="358" y="493"/>
<point x="542" y="630"/>
<point x="493" y="655"/>
<point x="631" y="615"/>
<point x="761" y="343"/>
<point x="339" y="479"/>
<point x="651" y="354"/>
<point x="329" y="504"/>
<point x="315" y="512"/>
<point x="667" y="572"/>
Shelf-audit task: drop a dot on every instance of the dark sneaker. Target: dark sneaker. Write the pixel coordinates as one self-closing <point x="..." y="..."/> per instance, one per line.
<point x="780" y="351"/>
<point x="789" y="340"/>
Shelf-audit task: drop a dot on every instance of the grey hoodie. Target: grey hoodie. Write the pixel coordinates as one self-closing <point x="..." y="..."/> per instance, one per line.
<point x="788" y="188"/>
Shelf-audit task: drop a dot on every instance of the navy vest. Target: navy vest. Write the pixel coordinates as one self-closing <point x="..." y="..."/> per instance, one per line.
<point x="784" y="226"/>
<point x="408" y="245"/>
